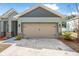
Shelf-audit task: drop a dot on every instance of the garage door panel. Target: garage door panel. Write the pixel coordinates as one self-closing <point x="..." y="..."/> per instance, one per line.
<point x="48" y="30"/>
<point x="30" y="30"/>
<point x="40" y="30"/>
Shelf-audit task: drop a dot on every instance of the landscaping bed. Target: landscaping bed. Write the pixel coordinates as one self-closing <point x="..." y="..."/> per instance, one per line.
<point x="4" y="46"/>
<point x="3" y="38"/>
<point x="70" y="39"/>
<point x="73" y="44"/>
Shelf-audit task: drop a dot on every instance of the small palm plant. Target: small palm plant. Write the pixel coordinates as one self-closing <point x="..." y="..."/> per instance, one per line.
<point x="18" y="37"/>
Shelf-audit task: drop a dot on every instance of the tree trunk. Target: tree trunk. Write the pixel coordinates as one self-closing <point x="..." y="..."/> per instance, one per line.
<point x="78" y="20"/>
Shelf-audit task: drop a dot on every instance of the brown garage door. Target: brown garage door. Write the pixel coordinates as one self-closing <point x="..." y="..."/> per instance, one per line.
<point x="40" y="30"/>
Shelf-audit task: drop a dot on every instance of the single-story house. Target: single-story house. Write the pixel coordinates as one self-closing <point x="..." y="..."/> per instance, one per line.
<point x="72" y="24"/>
<point x="36" y="22"/>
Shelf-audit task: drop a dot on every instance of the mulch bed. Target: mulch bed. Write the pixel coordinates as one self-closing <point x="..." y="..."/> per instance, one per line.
<point x="4" y="46"/>
<point x="73" y="44"/>
<point x="3" y="38"/>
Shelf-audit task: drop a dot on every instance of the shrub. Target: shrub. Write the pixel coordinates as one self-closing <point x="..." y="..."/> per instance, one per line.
<point x="67" y="35"/>
<point x="18" y="37"/>
<point x="74" y="36"/>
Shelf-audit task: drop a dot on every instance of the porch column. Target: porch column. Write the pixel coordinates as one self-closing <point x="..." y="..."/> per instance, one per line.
<point x="60" y="27"/>
<point x="9" y="28"/>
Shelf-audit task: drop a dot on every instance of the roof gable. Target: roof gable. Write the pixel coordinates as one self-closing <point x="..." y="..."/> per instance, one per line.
<point x="39" y="11"/>
<point x="8" y="13"/>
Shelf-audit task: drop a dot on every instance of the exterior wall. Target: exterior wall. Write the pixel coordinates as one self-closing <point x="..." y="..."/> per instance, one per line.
<point x="1" y="27"/>
<point x="39" y="19"/>
<point x="72" y="25"/>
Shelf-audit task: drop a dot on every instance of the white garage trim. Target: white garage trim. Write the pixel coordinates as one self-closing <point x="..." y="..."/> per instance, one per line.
<point x="40" y="19"/>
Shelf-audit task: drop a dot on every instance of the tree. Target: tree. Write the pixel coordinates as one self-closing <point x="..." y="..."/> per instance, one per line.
<point x="70" y="16"/>
<point x="78" y="19"/>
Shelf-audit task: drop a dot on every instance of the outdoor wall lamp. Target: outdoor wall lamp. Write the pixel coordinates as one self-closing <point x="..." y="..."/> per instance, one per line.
<point x="59" y="25"/>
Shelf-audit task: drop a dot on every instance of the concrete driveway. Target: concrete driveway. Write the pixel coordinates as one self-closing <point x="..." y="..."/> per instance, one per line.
<point x="44" y="44"/>
<point x="39" y="47"/>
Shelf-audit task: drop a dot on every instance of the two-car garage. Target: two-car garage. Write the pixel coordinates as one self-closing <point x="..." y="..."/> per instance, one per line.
<point x="39" y="22"/>
<point x="40" y="30"/>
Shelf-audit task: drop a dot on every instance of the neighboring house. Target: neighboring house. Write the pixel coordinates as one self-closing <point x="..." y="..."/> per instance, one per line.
<point x="64" y="29"/>
<point x="64" y="26"/>
<point x="72" y="24"/>
<point x="36" y="22"/>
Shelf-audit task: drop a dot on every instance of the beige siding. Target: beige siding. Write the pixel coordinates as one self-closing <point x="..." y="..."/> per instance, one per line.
<point x="40" y="30"/>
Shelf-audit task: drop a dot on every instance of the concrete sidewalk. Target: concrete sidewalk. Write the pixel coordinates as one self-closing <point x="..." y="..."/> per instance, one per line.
<point x="23" y="51"/>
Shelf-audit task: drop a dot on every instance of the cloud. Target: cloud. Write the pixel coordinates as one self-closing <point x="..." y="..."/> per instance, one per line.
<point x="52" y="6"/>
<point x="73" y="13"/>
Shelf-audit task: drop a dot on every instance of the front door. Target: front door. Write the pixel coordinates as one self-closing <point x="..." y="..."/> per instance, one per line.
<point x="14" y="28"/>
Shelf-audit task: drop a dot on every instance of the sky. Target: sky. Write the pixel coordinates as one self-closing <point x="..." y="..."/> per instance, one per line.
<point x="63" y="8"/>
